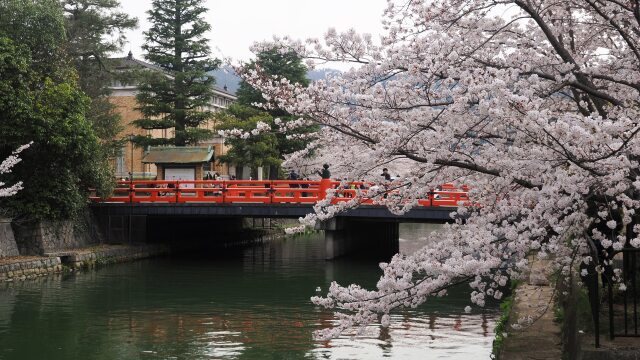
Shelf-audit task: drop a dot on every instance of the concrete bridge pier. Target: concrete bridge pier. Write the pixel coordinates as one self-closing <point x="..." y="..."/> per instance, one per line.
<point x="337" y="243"/>
<point x="370" y="239"/>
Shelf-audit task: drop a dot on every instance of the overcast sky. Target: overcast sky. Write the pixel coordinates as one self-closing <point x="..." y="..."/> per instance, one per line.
<point x="238" y="23"/>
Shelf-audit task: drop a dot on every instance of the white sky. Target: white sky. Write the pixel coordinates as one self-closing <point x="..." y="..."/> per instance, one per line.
<point x="239" y="23"/>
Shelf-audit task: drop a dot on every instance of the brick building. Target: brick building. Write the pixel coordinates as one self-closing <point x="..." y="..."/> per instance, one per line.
<point x="131" y="158"/>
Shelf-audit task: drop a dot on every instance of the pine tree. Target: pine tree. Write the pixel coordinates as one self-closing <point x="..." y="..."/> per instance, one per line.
<point x="95" y="29"/>
<point x="256" y="151"/>
<point x="274" y="63"/>
<point x="178" y="97"/>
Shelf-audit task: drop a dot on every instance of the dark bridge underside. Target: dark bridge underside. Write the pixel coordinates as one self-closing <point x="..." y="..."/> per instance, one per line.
<point x="418" y="214"/>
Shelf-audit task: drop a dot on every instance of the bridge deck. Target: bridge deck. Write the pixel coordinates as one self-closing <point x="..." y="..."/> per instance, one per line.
<point x="373" y="212"/>
<point x="265" y="192"/>
<point x="272" y="198"/>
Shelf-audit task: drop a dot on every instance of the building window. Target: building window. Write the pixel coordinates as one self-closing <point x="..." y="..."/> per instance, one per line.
<point x="120" y="163"/>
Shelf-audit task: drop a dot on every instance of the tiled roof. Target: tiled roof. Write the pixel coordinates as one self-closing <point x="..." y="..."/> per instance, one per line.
<point x="178" y="155"/>
<point x="129" y="63"/>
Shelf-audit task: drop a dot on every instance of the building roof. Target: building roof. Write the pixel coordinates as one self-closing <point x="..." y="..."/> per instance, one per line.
<point x="178" y="155"/>
<point x="130" y="63"/>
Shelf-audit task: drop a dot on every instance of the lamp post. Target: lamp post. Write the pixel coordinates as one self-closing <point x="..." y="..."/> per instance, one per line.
<point x="131" y="137"/>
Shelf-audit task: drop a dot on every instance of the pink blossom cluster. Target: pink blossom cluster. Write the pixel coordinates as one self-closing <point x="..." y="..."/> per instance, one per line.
<point x="533" y="104"/>
<point x="5" y="168"/>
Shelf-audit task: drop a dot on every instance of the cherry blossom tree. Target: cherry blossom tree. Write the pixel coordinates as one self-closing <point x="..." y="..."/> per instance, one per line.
<point x="535" y="104"/>
<point x="5" y="167"/>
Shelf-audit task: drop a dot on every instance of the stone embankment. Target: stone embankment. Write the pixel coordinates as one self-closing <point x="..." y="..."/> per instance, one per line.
<point x="30" y="267"/>
<point x="22" y="267"/>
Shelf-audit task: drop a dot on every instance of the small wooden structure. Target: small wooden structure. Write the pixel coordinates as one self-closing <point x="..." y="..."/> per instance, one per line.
<point x="179" y="162"/>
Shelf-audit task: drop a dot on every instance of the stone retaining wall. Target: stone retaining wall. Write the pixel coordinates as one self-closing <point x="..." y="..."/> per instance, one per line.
<point x="112" y="255"/>
<point x="29" y="269"/>
<point x="40" y="237"/>
<point x="22" y="268"/>
<point x="8" y="245"/>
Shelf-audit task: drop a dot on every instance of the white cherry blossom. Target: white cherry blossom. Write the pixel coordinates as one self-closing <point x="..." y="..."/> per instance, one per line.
<point x="532" y="104"/>
<point x="5" y="168"/>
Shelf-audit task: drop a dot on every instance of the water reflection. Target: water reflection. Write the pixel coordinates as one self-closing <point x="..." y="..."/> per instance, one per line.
<point x="253" y="305"/>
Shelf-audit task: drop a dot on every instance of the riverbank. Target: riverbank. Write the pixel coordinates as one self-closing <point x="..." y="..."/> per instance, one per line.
<point x="533" y="299"/>
<point x="17" y="268"/>
<point x="561" y="329"/>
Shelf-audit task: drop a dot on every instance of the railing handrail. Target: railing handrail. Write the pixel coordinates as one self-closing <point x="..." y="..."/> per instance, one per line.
<point x="259" y="191"/>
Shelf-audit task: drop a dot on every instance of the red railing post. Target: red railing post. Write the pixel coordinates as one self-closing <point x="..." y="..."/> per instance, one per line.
<point x="325" y="184"/>
<point x="131" y="189"/>
<point x="223" y="190"/>
<point x="431" y="196"/>
<point x="280" y="191"/>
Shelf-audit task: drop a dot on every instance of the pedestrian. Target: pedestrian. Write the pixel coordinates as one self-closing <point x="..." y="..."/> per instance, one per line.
<point x="325" y="173"/>
<point x="305" y="186"/>
<point x="207" y="176"/>
<point x="387" y="177"/>
<point x="293" y="176"/>
<point x="436" y="193"/>
<point x="385" y="174"/>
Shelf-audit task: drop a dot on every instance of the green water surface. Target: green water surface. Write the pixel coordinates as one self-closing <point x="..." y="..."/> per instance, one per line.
<point x="247" y="304"/>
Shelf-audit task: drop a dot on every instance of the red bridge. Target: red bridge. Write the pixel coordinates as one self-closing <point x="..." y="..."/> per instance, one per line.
<point x="260" y="192"/>
<point x="179" y="211"/>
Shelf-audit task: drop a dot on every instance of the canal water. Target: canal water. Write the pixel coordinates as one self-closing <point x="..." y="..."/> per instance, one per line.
<point x="248" y="304"/>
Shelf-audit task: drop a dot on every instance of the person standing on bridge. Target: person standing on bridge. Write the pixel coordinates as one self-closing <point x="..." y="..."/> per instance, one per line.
<point x="387" y="177"/>
<point x="293" y="176"/>
<point x="325" y="173"/>
<point x="385" y="174"/>
<point x="305" y="186"/>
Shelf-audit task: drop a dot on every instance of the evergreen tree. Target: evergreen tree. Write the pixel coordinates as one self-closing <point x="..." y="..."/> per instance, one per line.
<point x="256" y="151"/>
<point x="95" y="29"/>
<point x="38" y="26"/>
<point x="274" y="63"/>
<point x="178" y="97"/>
<point x="40" y="102"/>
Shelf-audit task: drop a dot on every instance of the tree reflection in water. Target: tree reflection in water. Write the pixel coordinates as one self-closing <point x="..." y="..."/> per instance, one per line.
<point x="253" y="305"/>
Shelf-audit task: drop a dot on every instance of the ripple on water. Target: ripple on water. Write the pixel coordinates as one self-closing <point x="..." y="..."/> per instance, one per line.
<point x="251" y="306"/>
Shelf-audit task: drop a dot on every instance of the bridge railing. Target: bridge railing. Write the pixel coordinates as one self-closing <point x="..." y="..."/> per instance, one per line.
<point x="259" y="191"/>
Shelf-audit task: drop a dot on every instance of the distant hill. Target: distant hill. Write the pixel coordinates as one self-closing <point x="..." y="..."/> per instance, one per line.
<point x="320" y="74"/>
<point x="226" y="76"/>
